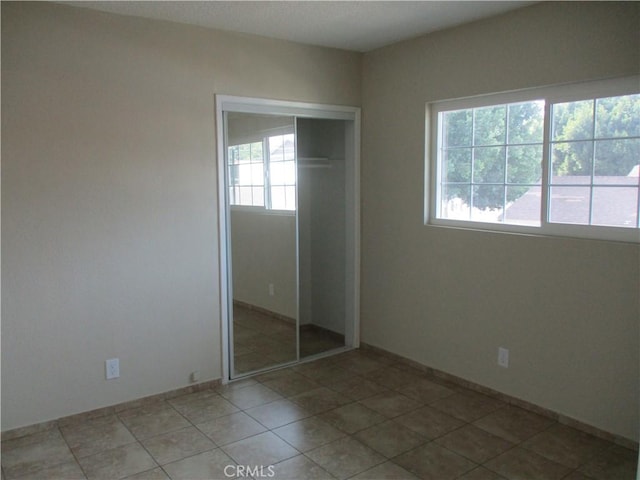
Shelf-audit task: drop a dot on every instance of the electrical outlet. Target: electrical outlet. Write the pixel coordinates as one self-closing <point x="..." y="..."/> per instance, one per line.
<point x="503" y="357"/>
<point x="272" y="290"/>
<point x="112" y="367"/>
<point x="195" y="376"/>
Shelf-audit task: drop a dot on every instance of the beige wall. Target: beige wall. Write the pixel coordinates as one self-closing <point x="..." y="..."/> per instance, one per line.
<point x="263" y="248"/>
<point x="566" y="309"/>
<point x="109" y="196"/>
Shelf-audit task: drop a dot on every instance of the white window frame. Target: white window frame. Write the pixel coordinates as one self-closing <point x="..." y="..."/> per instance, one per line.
<point x="551" y="95"/>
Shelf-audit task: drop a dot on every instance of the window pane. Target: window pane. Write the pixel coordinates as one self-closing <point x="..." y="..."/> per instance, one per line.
<point x="572" y="159"/>
<point x="489" y="126"/>
<point x="290" y="194"/>
<point x="617" y="157"/>
<point x="488" y="165"/>
<point x="526" y="122"/>
<point x="618" y="116"/>
<point x="569" y="205"/>
<point x="256" y="152"/>
<point x="232" y="196"/>
<point x="615" y="206"/>
<point x="244" y="153"/>
<point x="289" y="168"/>
<point x="488" y="203"/>
<point x="245" y="197"/>
<point x="233" y="155"/>
<point x="278" y="199"/>
<point x="258" y="196"/>
<point x="457" y="165"/>
<point x="233" y="175"/>
<point x="455" y="202"/>
<point x="572" y="120"/>
<point x="524" y="164"/>
<point x="244" y="174"/>
<point x="523" y="206"/>
<point x="276" y="154"/>
<point x="457" y="128"/>
<point x="289" y="147"/>
<point x="276" y="173"/>
<point x="257" y="174"/>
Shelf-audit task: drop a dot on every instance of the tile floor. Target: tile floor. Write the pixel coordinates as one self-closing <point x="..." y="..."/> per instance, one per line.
<point x="262" y="341"/>
<point x="356" y="415"/>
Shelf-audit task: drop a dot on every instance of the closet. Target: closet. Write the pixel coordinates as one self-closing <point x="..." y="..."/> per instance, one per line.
<point x="289" y="224"/>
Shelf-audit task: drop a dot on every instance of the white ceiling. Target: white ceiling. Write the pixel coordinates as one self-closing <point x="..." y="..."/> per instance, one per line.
<point x="351" y="25"/>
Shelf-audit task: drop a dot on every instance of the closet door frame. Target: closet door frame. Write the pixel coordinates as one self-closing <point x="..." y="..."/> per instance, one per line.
<point x="230" y="103"/>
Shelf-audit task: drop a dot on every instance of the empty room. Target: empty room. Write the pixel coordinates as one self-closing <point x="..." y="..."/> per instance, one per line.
<point x="320" y="240"/>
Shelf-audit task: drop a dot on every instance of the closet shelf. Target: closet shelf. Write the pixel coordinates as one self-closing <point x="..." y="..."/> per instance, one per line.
<point x="314" y="162"/>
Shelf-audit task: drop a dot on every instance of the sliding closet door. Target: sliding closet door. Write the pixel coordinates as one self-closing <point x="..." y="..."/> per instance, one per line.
<point x="323" y="226"/>
<point x="261" y="221"/>
<point x="289" y="231"/>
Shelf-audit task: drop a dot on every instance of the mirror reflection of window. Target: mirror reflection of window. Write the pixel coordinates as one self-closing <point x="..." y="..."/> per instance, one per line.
<point x="263" y="174"/>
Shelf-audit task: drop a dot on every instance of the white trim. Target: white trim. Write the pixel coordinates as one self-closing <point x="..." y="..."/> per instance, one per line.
<point x="223" y="240"/>
<point x="550" y="94"/>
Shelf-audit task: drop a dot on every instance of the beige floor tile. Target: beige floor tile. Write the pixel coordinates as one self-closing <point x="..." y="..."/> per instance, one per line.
<point x="390" y="438"/>
<point x="356" y="388"/>
<point x="235" y="384"/>
<point x="468" y="406"/>
<point x="149" y="421"/>
<point x="200" y="408"/>
<point x="34" y="452"/>
<point x="345" y="457"/>
<point x="433" y="462"/>
<point x="352" y="418"/>
<point x="309" y="433"/>
<point x="391" y="377"/>
<point x="513" y="423"/>
<point x="613" y="463"/>
<point x="474" y="443"/>
<point x="481" y="473"/>
<point x="361" y="364"/>
<point x="117" y="463"/>
<point x="299" y="468"/>
<point x="207" y="465"/>
<point x="290" y="385"/>
<point x="390" y="404"/>
<point x="251" y="396"/>
<point x="260" y="450"/>
<point x="93" y="436"/>
<point x="429" y="422"/>
<point x="177" y="445"/>
<point x="425" y="391"/>
<point x="323" y="372"/>
<point x="66" y="471"/>
<point x="155" y="474"/>
<point x="386" y="471"/>
<point x="278" y="413"/>
<point x="521" y="463"/>
<point x="319" y="400"/>
<point x="250" y="362"/>
<point x="576" y="475"/>
<point x="566" y="445"/>
<point x="274" y="374"/>
<point x="229" y="429"/>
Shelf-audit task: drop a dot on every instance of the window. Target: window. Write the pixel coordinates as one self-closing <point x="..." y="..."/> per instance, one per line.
<point x="263" y="174"/>
<point x="560" y="161"/>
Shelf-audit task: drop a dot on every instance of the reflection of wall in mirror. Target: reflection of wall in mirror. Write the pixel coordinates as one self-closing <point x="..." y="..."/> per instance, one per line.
<point x="263" y="253"/>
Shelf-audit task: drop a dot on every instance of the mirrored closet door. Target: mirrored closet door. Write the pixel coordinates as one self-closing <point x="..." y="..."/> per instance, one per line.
<point x="288" y="232"/>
